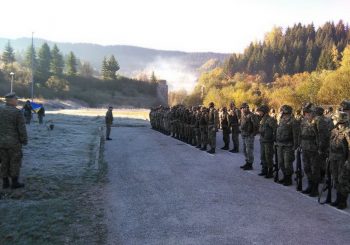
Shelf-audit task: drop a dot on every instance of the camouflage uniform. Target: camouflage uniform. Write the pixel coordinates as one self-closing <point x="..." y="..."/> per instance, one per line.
<point x="287" y="142"/>
<point x="13" y="135"/>
<point x="197" y="129"/>
<point x="109" y="122"/>
<point x="248" y="135"/>
<point x="203" y="125"/>
<point x="267" y="130"/>
<point x="234" y="118"/>
<point x="213" y="122"/>
<point x="225" y="125"/>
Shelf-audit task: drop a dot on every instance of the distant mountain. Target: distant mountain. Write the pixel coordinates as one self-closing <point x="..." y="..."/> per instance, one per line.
<point x="132" y="60"/>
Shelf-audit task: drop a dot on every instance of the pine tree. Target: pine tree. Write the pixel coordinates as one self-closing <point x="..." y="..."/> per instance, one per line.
<point x="57" y="64"/>
<point x="104" y="69"/>
<point x="309" y="63"/>
<point x="71" y="64"/>
<point x="297" y="65"/>
<point x="44" y="60"/>
<point x="153" y="78"/>
<point x="30" y="59"/>
<point x="283" y="65"/>
<point x="113" y="67"/>
<point x="8" y="55"/>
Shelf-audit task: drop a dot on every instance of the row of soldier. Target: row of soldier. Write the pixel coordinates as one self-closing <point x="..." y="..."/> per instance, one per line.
<point x="321" y="137"/>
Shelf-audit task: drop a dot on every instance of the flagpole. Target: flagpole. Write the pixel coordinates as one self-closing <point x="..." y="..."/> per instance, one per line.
<point x="32" y="67"/>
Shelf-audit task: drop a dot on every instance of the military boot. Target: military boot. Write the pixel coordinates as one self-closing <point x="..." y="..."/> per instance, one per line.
<point x="249" y="166"/>
<point x="204" y="148"/>
<point x="281" y="181"/>
<point x="244" y="165"/>
<point x="314" y="190"/>
<point x="308" y="189"/>
<point x="225" y="147"/>
<point x="211" y="151"/>
<point x="269" y="173"/>
<point x="336" y="202"/>
<point x="198" y="146"/>
<point x="234" y="150"/>
<point x="288" y="180"/>
<point x="16" y="184"/>
<point x="263" y="171"/>
<point x="5" y="183"/>
<point x="342" y="201"/>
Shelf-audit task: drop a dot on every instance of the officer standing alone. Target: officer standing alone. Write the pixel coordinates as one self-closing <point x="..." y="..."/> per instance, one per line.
<point x="109" y="122"/>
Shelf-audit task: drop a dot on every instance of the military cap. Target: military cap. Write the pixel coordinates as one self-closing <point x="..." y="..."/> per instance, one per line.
<point x="345" y="105"/>
<point x="244" y="105"/>
<point x="319" y="110"/>
<point x="263" y="108"/>
<point x="211" y="104"/>
<point x="286" y="109"/>
<point x="11" y="96"/>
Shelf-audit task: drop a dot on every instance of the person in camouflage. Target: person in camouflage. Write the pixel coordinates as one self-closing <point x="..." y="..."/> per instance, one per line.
<point x="41" y="114"/>
<point x="286" y="142"/>
<point x="267" y="130"/>
<point x="224" y="122"/>
<point x="203" y="125"/>
<point x="338" y="154"/>
<point x="197" y="128"/>
<point x="234" y="119"/>
<point x="213" y="123"/>
<point x="248" y="135"/>
<point x="309" y="144"/>
<point x="13" y="135"/>
<point x="109" y="122"/>
<point x="27" y="110"/>
<point x="324" y="127"/>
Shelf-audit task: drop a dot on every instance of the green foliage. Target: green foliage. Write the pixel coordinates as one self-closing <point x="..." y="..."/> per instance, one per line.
<point x="71" y="64"/>
<point x="8" y="56"/>
<point x="300" y="48"/>
<point x="30" y="59"/>
<point x="57" y="84"/>
<point x="110" y="67"/>
<point x="44" y="60"/>
<point x="153" y="78"/>
<point x="56" y="64"/>
<point x="86" y="70"/>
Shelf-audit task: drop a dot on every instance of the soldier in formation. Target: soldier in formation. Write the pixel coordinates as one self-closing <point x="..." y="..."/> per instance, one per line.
<point x="322" y="137"/>
<point x="109" y="122"/>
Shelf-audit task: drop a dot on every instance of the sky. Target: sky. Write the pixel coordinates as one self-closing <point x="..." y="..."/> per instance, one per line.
<point x="219" y="25"/>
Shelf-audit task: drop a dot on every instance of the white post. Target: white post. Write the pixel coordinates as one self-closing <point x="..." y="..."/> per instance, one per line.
<point x="12" y="74"/>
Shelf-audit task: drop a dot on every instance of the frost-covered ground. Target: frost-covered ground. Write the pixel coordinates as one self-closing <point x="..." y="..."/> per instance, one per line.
<point x="64" y="176"/>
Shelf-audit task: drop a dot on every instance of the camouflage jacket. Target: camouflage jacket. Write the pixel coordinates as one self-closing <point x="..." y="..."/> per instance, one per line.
<point x="339" y="146"/>
<point x="267" y="129"/>
<point x="13" y="131"/>
<point x="213" y="118"/>
<point x="309" y="140"/>
<point x="287" y="132"/>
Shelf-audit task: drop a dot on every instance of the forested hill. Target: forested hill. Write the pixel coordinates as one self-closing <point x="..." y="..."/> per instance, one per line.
<point x="131" y="59"/>
<point x="297" y="49"/>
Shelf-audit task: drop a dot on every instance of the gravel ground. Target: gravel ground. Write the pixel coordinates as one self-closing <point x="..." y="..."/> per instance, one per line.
<point x="162" y="191"/>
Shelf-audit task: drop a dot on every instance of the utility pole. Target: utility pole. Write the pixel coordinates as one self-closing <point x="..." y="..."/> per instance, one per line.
<point x="32" y="67"/>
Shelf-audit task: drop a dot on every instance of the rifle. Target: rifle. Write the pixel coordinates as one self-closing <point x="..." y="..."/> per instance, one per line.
<point x="327" y="186"/>
<point x="299" y="172"/>
<point x="275" y="166"/>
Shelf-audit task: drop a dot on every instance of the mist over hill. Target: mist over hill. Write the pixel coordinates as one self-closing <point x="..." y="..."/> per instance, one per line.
<point x="181" y="69"/>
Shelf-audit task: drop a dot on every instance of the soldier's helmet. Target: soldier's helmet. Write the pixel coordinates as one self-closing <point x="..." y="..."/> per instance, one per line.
<point x="244" y="105"/>
<point x="345" y="105"/>
<point x="308" y="108"/>
<point x="264" y="109"/>
<point x="232" y="103"/>
<point x="224" y="108"/>
<point x="319" y="110"/>
<point x="341" y="117"/>
<point x="211" y="104"/>
<point x="286" y="109"/>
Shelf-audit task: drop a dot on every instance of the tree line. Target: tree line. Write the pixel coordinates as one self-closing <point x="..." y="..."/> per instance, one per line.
<point x="300" y="48"/>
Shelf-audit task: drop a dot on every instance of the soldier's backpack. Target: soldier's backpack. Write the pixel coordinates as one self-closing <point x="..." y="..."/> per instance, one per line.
<point x="256" y="123"/>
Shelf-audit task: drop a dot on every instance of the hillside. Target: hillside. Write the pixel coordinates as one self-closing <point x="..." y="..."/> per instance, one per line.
<point x="132" y="59"/>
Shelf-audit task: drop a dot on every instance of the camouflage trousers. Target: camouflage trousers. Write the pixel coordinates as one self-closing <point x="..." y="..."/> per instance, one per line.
<point x="235" y="137"/>
<point x="311" y="166"/>
<point x="11" y="161"/>
<point x="212" y="137"/>
<point x="266" y="154"/>
<point x="108" y="130"/>
<point x="226" y="136"/>
<point x="204" y="135"/>
<point x="344" y="179"/>
<point x="248" y="148"/>
<point x="198" y="136"/>
<point x="286" y="157"/>
<point x="336" y="167"/>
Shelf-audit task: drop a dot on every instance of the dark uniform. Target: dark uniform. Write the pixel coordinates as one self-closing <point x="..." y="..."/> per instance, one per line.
<point x="109" y="122"/>
<point x="213" y="122"/>
<point x="41" y="114"/>
<point x="225" y="125"/>
<point x="27" y="110"/>
<point x="234" y="119"/>
<point x="13" y="135"/>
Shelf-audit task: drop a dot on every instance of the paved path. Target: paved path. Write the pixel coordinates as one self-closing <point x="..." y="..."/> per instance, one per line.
<point x="162" y="191"/>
